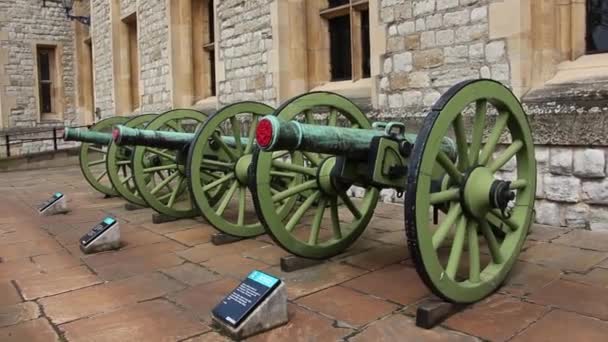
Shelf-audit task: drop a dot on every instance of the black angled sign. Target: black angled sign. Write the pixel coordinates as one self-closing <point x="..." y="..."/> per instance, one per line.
<point x="99" y="228"/>
<point x="245" y="298"/>
<point x="56" y="197"/>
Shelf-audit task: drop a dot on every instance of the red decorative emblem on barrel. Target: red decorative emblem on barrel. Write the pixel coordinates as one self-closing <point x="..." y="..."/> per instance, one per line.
<point x="263" y="134"/>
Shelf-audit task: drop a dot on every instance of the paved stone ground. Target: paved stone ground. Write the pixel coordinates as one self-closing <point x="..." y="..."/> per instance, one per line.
<point x="162" y="284"/>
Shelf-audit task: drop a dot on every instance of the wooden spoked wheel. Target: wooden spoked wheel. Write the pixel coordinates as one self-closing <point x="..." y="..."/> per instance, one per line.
<point x="462" y="258"/>
<point x="118" y="164"/>
<point x="220" y="156"/>
<point x="160" y="174"/>
<point x="92" y="157"/>
<point x="306" y="218"/>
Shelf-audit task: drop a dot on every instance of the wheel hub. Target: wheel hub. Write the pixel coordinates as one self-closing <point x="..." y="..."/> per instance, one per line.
<point x="480" y="192"/>
<point x="241" y="167"/>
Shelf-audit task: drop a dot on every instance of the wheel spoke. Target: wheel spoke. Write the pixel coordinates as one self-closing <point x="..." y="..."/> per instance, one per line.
<point x="333" y="117"/>
<point x="479" y="124"/>
<point x="101" y="175"/>
<point x="513" y="226"/>
<point x="297" y="215"/>
<point x="313" y="158"/>
<point x="219" y="181"/>
<point x="294" y="190"/>
<point x="218" y="139"/>
<point x="461" y="143"/>
<point x="126" y="179"/>
<point x="171" y="201"/>
<point x="279" y="154"/>
<point x="449" y="167"/>
<point x="282" y="174"/>
<point x="474" y="263"/>
<point x="160" y="168"/>
<point x="501" y="123"/>
<point x="96" y="162"/>
<point x="161" y="153"/>
<point x="226" y="200"/>
<point x="236" y="132"/>
<point x="491" y="240"/>
<point x="316" y="223"/>
<point x="506" y="155"/>
<point x="335" y="219"/>
<point x="444" y="196"/>
<point x="217" y="163"/>
<point x="251" y="135"/>
<point x="310" y="119"/>
<point x="453" y="215"/>
<point x="100" y="150"/>
<point x="164" y="182"/>
<point x="457" y="247"/>
<point x="295" y="168"/>
<point x="242" y="205"/>
<point x="519" y="184"/>
<point x="123" y="162"/>
<point x="350" y="205"/>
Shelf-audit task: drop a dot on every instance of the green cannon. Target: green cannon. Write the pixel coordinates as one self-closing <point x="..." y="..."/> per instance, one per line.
<point x="108" y="167"/>
<point x="465" y="219"/>
<point x="213" y="163"/>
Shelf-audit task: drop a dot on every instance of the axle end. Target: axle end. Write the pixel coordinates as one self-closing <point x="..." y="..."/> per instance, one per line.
<point x="117" y="134"/>
<point x="69" y="133"/>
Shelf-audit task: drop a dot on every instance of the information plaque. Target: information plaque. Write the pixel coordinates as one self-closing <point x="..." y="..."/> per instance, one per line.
<point x="96" y="231"/>
<point x="46" y="204"/>
<point x="252" y="291"/>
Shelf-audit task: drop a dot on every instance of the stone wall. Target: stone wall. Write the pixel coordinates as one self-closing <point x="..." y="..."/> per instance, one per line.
<point x="245" y="39"/>
<point x="101" y="38"/>
<point x="23" y="24"/>
<point x="431" y="45"/>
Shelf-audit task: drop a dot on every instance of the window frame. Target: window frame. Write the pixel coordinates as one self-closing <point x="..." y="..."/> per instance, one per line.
<point x="55" y="80"/>
<point x="353" y="9"/>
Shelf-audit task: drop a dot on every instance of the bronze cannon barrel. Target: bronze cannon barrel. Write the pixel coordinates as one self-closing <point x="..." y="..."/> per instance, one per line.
<point x="87" y="136"/>
<point x="123" y="135"/>
<point x="274" y="134"/>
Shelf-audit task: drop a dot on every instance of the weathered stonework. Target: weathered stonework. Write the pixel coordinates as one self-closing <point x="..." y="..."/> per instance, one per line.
<point x="23" y="24"/>
<point x="245" y="39"/>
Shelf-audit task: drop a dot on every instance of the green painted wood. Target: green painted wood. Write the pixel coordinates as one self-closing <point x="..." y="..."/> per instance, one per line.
<point x="92" y="157"/>
<point x="218" y="164"/>
<point x="440" y="261"/>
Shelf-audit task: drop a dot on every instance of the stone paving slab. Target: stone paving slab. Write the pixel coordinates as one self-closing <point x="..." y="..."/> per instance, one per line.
<point x="165" y="279"/>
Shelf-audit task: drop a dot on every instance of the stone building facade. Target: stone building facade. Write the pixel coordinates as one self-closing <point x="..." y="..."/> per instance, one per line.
<point x="152" y="55"/>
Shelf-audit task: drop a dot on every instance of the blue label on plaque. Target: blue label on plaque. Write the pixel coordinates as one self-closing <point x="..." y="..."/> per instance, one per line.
<point x="241" y="301"/>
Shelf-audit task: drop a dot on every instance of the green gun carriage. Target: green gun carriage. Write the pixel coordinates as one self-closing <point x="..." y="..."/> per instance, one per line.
<point x="465" y="221"/>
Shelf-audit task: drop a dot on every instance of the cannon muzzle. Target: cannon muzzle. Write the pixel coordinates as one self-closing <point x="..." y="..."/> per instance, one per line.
<point x="87" y="136"/>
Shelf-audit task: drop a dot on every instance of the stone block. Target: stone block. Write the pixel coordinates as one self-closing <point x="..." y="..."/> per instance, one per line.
<point x="458" y="18"/>
<point x="444" y="37"/>
<point x="445" y="4"/>
<point x="434" y="21"/>
<point x="595" y="192"/>
<point x="406" y="28"/>
<point x="427" y="39"/>
<point x="395" y="101"/>
<point x="560" y="161"/>
<point x="419" y="79"/>
<point x="412" y="98"/>
<point x="424" y="7"/>
<point x="577" y="216"/>
<point x="547" y="213"/>
<point x="495" y="51"/>
<point x="598" y="220"/>
<point x="427" y="59"/>
<point x="589" y="163"/>
<point x="479" y="14"/>
<point x="402" y="62"/>
<point x="562" y="188"/>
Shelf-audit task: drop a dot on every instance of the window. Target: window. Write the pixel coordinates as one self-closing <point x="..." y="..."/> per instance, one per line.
<point x="203" y="48"/>
<point x="348" y="23"/>
<point x="597" y="26"/>
<point x="46" y="79"/>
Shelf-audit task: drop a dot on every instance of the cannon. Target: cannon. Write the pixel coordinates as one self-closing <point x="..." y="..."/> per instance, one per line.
<point x="455" y="195"/>
<point x="107" y="167"/>
<point x="213" y="163"/>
